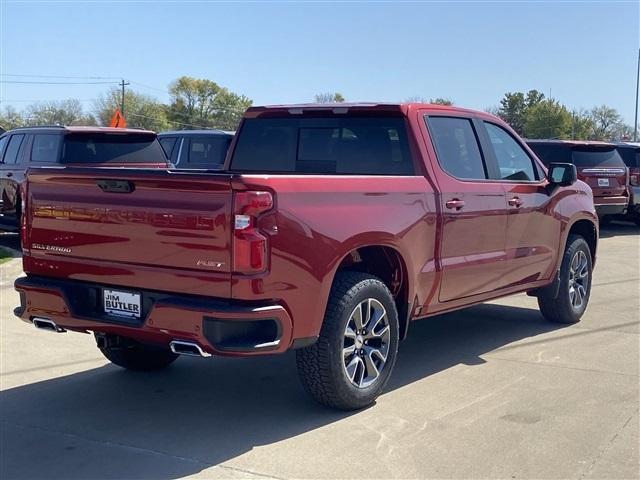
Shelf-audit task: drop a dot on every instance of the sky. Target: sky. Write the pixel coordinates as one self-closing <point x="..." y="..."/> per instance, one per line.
<point x="582" y="53"/>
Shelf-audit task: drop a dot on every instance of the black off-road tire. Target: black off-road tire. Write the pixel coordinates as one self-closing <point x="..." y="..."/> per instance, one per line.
<point x="320" y="366"/>
<point x="139" y="357"/>
<point x="558" y="307"/>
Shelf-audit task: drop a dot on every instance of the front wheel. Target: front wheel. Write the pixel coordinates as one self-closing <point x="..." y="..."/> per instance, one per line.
<point x="569" y="303"/>
<point x="350" y="364"/>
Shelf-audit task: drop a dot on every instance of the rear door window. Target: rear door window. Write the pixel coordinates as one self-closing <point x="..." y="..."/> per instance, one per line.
<point x="207" y="151"/>
<point x="3" y="143"/>
<point x="457" y="147"/>
<point x="13" y="147"/>
<point x="45" y="148"/>
<point x="168" y="144"/>
<point x="328" y="145"/>
<point x="514" y="163"/>
<point x="112" y="148"/>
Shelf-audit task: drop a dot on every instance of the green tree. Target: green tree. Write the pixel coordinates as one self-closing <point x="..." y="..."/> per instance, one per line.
<point x="202" y="103"/>
<point x="65" y="112"/>
<point x="433" y="101"/>
<point x="606" y="122"/>
<point x="441" y="101"/>
<point x="581" y="125"/>
<point x="514" y="106"/>
<point x="335" y="97"/>
<point x="10" y="118"/>
<point x="547" y="119"/>
<point x="140" y="111"/>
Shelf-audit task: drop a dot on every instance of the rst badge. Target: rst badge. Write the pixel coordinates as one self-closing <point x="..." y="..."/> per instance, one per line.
<point x="124" y="304"/>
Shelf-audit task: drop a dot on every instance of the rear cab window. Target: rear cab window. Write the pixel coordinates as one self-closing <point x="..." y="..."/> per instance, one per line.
<point x="103" y="148"/>
<point x="332" y="145"/>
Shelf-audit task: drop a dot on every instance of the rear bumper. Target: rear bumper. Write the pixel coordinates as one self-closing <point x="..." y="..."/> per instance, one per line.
<point x="220" y="327"/>
<point x="611" y="205"/>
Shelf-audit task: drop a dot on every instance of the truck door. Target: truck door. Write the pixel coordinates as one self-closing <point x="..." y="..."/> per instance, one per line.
<point x="532" y="231"/>
<point x="474" y="210"/>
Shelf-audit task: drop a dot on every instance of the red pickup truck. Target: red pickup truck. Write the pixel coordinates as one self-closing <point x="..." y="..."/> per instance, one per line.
<point x="329" y="230"/>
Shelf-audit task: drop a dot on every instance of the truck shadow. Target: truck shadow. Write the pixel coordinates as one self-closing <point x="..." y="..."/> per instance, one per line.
<point x="619" y="228"/>
<point x="110" y="423"/>
<point x="11" y="241"/>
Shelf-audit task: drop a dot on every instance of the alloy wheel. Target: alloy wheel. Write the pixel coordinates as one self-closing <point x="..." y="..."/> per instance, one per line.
<point x="366" y="343"/>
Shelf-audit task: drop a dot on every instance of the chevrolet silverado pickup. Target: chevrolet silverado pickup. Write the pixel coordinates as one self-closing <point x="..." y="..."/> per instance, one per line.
<point x="329" y="230"/>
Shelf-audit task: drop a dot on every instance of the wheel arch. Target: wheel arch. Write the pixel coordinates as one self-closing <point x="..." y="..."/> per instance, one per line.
<point x="389" y="265"/>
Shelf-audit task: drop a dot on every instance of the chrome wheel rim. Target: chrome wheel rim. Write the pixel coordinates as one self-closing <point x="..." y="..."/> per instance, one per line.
<point x="366" y="343"/>
<point x="578" y="279"/>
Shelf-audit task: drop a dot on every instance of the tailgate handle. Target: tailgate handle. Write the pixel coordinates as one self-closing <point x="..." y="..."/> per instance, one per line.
<point x="116" y="186"/>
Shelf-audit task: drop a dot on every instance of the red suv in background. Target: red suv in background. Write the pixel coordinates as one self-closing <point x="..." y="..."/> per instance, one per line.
<point x="599" y="165"/>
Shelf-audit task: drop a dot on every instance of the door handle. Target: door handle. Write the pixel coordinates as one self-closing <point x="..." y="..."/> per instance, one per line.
<point x="455" y="203"/>
<point x="9" y="174"/>
<point x="515" y="202"/>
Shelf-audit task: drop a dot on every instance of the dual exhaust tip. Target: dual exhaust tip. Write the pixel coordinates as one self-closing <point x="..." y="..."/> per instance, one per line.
<point x="179" y="347"/>
<point x="46" y="324"/>
<point x="191" y="349"/>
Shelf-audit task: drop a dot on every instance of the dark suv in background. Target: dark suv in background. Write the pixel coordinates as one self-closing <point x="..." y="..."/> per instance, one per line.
<point x="196" y="149"/>
<point x="630" y="153"/>
<point x="24" y="148"/>
<point x="599" y="165"/>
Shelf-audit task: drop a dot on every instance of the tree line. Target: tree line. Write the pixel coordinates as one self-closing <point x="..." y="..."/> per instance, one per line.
<point x="194" y="103"/>
<point x="201" y="103"/>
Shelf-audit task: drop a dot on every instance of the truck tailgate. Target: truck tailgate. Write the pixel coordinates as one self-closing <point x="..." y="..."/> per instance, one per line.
<point x="153" y="230"/>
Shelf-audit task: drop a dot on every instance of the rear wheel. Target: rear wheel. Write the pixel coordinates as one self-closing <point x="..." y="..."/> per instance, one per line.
<point x="134" y="356"/>
<point x="350" y="364"/>
<point x="569" y="303"/>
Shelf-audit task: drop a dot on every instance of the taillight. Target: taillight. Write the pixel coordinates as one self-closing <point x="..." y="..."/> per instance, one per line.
<point x="250" y="247"/>
<point x="634" y="177"/>
<point x="24" y="218"/>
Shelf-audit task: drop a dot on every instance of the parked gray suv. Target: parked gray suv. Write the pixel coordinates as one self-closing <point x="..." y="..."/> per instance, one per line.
<point x="196" y="149"/>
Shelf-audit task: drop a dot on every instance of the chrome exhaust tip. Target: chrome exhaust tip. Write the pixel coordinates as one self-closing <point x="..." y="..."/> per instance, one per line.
<point x="181" y="347"/>
<point x="46" y="324"/>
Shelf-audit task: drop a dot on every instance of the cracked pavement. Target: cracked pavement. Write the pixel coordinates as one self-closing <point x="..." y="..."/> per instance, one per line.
<point x="492" y="391"/>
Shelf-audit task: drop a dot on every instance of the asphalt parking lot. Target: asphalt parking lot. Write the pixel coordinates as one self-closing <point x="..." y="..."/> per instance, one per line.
<point x="493" y="391"/>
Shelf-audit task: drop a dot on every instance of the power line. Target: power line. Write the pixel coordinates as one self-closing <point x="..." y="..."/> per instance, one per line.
<point x="34" y="82"/>
<point x="166" y="120"/>
<point x="58" y="76"/>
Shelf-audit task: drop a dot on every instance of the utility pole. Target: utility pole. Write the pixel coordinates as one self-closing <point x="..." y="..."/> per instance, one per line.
<point x="122" y="84"/>
<point x="635" y="124"/>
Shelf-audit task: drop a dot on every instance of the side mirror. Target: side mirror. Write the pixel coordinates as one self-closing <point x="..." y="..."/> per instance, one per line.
<point x="562" y="174"/>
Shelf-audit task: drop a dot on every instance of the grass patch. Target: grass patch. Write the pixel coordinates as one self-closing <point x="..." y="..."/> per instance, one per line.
<point x="5" y="255"/>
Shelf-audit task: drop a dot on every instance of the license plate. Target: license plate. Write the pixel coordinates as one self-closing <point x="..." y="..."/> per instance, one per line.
<point x="603" y="182"/>
<point x="124" y="304"/>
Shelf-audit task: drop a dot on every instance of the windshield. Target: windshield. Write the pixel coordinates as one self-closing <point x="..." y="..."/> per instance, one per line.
<point x="112" y="148"/>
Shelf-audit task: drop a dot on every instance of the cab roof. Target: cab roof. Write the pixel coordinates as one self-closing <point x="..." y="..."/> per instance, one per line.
<point x="346" y="107"/>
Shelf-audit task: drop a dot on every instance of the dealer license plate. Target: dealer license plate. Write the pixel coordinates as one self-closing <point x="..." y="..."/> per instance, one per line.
<point x="603" y="182"/>
<point x="124" y="304"/>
